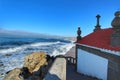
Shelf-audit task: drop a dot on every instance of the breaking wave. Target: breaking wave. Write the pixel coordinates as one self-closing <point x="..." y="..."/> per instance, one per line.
<point x="15" y="49"/>
<point x="12" y="55"/>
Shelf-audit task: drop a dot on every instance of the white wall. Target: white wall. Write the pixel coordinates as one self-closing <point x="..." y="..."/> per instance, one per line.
<point x="92" y="65"/>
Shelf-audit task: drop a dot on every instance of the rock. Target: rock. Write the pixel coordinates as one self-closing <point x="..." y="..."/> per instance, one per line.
<point x="25" y="73"/>
<point x="8" y="54"/>
<point x="1" y="63"/>
<point x="35" y="67"/>
<point x="14" y="75"/>
<point x="34" y="61"/>
<point x="34" y="78"/>
<point x="48" y="57"/>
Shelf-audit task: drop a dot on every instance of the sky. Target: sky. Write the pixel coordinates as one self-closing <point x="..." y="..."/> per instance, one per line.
<point x="56" y="17"/>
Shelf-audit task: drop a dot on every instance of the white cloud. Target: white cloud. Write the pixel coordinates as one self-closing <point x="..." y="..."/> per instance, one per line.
<point x="18" y="33"/>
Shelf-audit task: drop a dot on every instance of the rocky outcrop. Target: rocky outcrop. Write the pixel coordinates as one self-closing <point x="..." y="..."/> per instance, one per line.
<point x="34" y="61"/>
<point x="1" y="63"/>
<point x="14" y="75"/>
<point x="35" y="67"/>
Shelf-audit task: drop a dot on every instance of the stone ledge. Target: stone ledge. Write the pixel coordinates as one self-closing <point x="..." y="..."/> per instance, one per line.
<point x="57" y="70"/>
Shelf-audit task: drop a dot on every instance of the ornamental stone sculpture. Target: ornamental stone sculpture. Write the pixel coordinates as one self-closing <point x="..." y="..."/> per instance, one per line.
<point x="97" y="27"/>
<point x="115" y="37"/>
<point x="78" y="34"/>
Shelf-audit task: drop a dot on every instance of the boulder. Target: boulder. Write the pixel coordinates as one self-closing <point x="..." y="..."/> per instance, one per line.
<point x="14" y="75"/>
<point x="34" y="61"/>
<point x="8" y="54"/>
<point x="1" y="63"/>
<point x="35" y="67"/>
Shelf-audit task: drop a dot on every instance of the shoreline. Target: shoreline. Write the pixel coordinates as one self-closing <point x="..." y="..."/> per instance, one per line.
<point x="71" y="52"/>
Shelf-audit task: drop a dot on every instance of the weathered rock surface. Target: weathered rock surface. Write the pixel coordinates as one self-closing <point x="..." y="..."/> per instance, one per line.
<point x="1" y="63"/>
<point x="8" y="54"/>
<point x="34" y="61"/>
<point x="35" y="67"/>
<point x="14" y="75"/>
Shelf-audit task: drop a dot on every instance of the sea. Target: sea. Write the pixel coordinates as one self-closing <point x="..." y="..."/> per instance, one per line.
<point x="13" y="50"/>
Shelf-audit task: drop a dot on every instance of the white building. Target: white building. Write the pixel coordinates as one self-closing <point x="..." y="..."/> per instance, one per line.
<point x="98" y="54"/>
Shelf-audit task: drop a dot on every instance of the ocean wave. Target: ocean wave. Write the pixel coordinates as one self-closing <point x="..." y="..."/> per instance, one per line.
<point x="23" y="47"/>
<point x="63" y="49"/>
<point x="18" y="53"/>
<point x="17" y="43"/>
<point x="44" y="44"/>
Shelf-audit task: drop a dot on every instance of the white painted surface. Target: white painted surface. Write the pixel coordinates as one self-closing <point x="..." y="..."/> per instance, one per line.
<point x="103" y="50"/>
<point x="92" y="65"/>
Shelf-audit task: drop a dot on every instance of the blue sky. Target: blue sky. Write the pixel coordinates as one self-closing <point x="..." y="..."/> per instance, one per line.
<point x="56" y="17"/>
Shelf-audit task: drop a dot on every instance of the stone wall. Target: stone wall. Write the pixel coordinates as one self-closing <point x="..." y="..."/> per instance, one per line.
<point x="57" y="70"/>
<point x="113" y="61"/>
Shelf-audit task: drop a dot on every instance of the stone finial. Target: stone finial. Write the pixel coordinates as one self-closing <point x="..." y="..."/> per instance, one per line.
<point x="78" y="34"/>
<point x="116" y="21"/>
<point x="115" y="37"/>
<point x="98" y="19"/>
<point x="97" y="27"/>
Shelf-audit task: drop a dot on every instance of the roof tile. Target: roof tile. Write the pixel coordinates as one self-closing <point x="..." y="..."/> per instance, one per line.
<point x="100" y="39"/>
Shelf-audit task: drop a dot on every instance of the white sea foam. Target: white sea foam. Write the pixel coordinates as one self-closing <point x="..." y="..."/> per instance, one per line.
<point x="11" y="50"/>
<point x="11" y="62"/>
<point x="63" y="49"/>
<point x="16" y="60"/>
<point x="15" y="49"/>
<point x="43" y="44"/>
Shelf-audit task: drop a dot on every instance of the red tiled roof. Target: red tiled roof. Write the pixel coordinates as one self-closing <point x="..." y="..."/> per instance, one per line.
<point x="100" y="39"/>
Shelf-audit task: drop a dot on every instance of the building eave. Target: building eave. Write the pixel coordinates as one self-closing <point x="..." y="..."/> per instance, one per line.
<point x="101" y="49"/>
